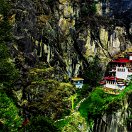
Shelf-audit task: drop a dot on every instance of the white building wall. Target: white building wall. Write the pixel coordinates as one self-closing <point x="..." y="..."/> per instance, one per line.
<point x="121" y="72"/>
<point x="130" y="57"/>
<point x="114" y="86"/>
<point x="79" y="85"/>
<point x="109" y="84"/>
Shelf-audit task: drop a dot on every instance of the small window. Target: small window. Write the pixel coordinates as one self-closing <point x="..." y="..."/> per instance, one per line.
<point x="81" y="81"/>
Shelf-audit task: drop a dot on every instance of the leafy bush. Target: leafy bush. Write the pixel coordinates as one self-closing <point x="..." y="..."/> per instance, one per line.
<point x="88" y="8"/>
<point x="7" y="69"/>
<point x="95" y="104"/>
<point x="8" y="73"/>
<point x="93" y="73"/>
<point x="41" y="124"/>
<point x="9" y="118"/>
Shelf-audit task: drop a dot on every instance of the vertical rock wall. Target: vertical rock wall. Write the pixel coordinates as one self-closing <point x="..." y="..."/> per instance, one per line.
<point x="116" y="121"/>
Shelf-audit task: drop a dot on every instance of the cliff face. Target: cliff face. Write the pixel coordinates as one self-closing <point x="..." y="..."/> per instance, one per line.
<point x="64" y="33"/>
<point x="117" y="119"/>
<point x="58" y="39"/>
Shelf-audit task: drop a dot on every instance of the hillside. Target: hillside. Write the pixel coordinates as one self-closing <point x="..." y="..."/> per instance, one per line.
<point x="44" y="44"/>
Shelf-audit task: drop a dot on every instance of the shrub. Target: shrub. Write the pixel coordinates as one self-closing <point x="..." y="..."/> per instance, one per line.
<point x="9" y="118"/>
<point x="41" y="124"/>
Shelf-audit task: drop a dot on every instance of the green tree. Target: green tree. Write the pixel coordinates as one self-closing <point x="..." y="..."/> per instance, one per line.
<point x="9" y="118"/>
<point x="7" y="69"/>
<point x="41" y="124"/>
<point x="93" y="73"/>
<point x="51" y="98"/>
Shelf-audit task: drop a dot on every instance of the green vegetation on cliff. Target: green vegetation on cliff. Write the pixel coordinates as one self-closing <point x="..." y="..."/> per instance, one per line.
<point x="51" y="39"/>
<point x="98" y="102"/>
<point x="8" y="73"/>
<point x="40" y="123"/>
<point x="9" y="117"/>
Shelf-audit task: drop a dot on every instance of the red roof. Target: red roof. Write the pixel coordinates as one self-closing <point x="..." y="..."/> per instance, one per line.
<point x="111" y="78"/>
<point x="121" y="60"/>
<point x="102" y="82"/>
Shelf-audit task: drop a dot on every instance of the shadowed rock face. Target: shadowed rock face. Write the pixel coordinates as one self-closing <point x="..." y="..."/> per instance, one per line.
<point x="25" y="24"/>
<point x="122" y="11"/>
<point x="119" y="7"/>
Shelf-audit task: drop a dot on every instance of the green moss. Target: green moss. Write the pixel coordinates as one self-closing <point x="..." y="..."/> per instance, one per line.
<point x="36" y="71"/>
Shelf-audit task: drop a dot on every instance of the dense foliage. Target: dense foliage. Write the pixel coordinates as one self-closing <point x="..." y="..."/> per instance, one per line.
<point x="93" y="72"/>
<point x="9" y="118"/>
<point x="41" y="124"/>
<point x="47" y="95"/>
<point x="8" y="73"/>
<point x="47" y="44"/>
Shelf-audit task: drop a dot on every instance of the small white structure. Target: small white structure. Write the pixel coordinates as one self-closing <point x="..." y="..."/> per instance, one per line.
<point x="78" y="82"/>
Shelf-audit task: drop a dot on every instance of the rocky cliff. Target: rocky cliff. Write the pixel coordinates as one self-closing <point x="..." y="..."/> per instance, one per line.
<point x="67" y="33"/>
<point x="54" y="40"/>
<point x="118" y="118"/>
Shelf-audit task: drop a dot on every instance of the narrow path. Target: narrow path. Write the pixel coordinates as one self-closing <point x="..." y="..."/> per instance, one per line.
<point x="78" y="105"/>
